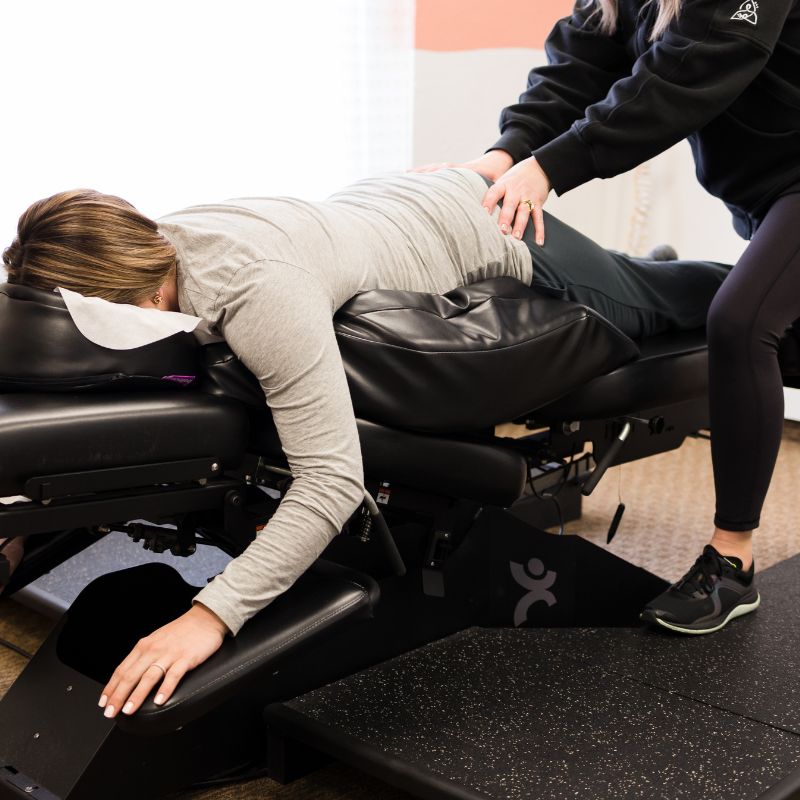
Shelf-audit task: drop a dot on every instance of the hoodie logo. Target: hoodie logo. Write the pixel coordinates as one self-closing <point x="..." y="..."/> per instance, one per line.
<point x="747" y="12"/>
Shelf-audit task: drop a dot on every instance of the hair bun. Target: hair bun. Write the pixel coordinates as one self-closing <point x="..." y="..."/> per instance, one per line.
<point x="12" y="258"/>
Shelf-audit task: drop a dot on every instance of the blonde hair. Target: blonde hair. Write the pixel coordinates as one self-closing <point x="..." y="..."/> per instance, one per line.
<point x="668" y="10"/>
<point x="92" y="243"/>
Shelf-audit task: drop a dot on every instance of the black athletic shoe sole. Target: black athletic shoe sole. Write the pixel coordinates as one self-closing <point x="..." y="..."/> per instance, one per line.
<point x="709" y="626"/>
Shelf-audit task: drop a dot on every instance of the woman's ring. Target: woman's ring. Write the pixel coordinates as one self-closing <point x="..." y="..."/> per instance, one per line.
<point x="159" y="667"/>
<point x="530" y="205"/>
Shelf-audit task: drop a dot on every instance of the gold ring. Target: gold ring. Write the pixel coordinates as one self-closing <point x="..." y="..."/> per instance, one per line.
<point x="159" y="666"/>
<point x="530" y="205"/>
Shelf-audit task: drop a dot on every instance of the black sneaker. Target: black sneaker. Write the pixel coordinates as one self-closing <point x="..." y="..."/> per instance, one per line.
<point x="712" y="593"/>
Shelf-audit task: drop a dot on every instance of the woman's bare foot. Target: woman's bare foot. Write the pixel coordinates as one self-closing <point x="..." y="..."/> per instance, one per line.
<point x="13" y="550"/>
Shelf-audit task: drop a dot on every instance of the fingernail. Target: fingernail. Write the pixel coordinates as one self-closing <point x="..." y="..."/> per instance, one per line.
<point x="517" y="234"/>
<point x="159" y="699"/>
<point x="540" y="242"/>
<point x="486" y="209"/>
<point x="109" y="712"/>
<point x="127" y="708"/>
<point x="103" y="701"/>
<point x="504" y="227"/>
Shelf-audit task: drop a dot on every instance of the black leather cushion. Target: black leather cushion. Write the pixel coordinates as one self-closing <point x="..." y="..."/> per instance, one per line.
<point x="41" y="349"/>
<point x="50" y="434"/>
<point x="452" y="467"/>
<point x="449" y="466"/>
<point x="129" y="604"/>
<point x="474" y="357"/>
<point x="47" y="434"/>
<point x="672" y="368"/>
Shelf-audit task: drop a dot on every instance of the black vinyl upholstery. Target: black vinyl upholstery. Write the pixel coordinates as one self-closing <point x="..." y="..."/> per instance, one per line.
<point x="672" y="368"/>
<point x="47" y="434"/>
<point x="449" y="465"/>
<point x="130" y="603"/>
<point x="52" y="434"/>
<point x="322" y="598"/>
<point x="485" y="472"/>
<point x="474" y="357"/>
<point x="43" y="350"/>
<point x="439" y="365"/>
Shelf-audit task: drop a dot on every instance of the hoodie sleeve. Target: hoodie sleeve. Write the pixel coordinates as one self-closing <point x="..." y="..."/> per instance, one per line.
<point x="583" y="64"/>
<point x="702" y="63"/>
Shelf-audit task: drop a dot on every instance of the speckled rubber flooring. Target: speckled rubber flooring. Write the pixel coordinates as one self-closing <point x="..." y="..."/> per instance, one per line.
<point x="515" y="714"/>
<point x="669" y="501"/>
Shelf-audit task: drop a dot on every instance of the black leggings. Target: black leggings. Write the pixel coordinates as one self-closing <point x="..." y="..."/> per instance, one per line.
<point x="758" y="301"/>
<point x="641" y="297"/>
<point x="750" y="314"/>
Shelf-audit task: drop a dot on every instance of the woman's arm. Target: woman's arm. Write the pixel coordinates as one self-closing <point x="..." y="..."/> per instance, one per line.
<point x="280" y="324"/>
<point x="279" y="321"/>
<point x="582" y="65"/>
<point x="702" y="63"/>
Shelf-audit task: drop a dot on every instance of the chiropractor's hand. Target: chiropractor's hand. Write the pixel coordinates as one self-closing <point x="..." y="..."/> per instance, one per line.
<point x="492" y="164"/>
<point x="524" y="181"/>
<point x="179" y="646"/>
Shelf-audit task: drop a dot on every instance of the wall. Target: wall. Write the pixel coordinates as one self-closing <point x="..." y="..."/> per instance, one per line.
<point x="170" y="104"/>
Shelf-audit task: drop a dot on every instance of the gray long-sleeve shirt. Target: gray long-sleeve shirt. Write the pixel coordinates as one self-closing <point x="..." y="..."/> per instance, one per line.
<point x="268" y="274"/>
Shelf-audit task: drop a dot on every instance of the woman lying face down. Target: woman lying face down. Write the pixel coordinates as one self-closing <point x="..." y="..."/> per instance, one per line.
<point x="269" y="274"/>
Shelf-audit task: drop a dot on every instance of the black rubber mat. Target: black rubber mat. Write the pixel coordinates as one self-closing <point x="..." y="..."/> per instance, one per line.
<point x="576" y="713"/>
<point x="750" y="667"/>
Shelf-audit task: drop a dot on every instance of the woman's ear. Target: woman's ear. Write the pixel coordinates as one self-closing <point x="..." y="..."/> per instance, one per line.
<point x="165" y="298"/>
<point x="156" y="300"/>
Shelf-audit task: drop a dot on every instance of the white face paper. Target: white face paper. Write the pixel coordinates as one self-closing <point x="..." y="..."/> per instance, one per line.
<point x="119" y="326"/>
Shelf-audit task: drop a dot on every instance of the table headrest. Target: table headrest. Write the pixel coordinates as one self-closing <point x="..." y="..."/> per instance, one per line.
<point x="41" y="349"/>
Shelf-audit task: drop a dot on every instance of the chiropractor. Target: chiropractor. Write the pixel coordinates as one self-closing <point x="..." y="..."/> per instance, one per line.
<point x="626" y="80"/>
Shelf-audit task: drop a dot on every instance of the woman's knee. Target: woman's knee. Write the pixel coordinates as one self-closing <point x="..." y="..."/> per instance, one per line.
<point x="737" y="325"/>
<point x="729" y="325"/>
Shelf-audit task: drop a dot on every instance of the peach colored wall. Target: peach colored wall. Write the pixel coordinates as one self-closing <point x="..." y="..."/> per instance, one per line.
<point x="477" y="24"/>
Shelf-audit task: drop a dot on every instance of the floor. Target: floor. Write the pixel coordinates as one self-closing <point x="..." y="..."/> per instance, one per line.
<point x="669" y="500"/>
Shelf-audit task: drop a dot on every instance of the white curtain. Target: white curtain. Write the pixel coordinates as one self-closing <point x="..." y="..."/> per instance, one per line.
<point x="170" y="104"/>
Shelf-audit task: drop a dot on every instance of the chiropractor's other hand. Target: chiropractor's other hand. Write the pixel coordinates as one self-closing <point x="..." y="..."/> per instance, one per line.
<point x="524" y="181"/>
<point x="179" y="646"/>
<point x="492" y="164"/>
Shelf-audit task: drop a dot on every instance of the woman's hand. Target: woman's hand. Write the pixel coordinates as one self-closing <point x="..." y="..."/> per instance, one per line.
<point x="524" y="182"/>
<point x="492" y="164"/>
<point x="165" y="656"/>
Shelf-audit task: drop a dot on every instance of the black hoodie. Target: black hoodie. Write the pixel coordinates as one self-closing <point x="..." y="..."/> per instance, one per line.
<point x="725" y="74"/>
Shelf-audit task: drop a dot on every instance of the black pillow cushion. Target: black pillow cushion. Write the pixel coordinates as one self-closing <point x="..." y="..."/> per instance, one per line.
<point x="41" y="349"/>
<point x="477" y="356"/>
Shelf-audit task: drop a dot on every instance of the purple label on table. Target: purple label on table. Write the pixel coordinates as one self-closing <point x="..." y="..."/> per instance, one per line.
<point x="183" y="379"/>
